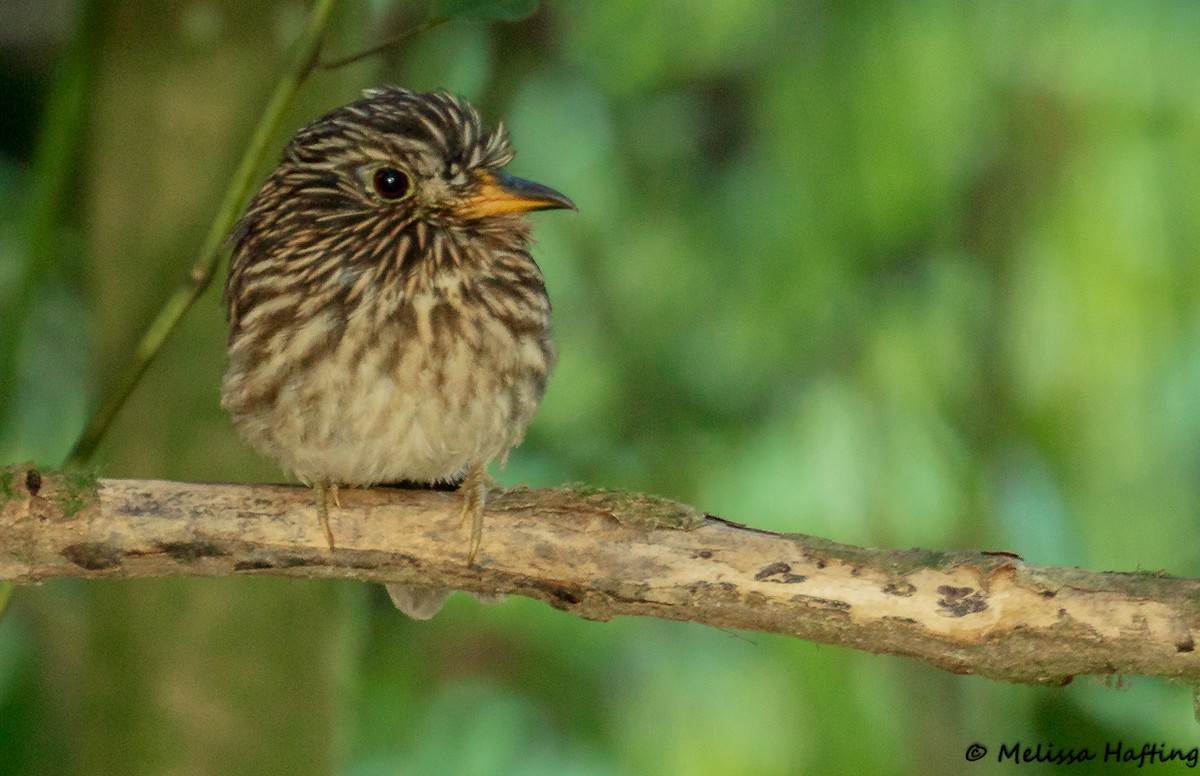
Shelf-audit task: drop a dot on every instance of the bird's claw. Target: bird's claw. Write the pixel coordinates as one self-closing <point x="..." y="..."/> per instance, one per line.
<point x="323" y="509"/>
<point x="475" y="488"/>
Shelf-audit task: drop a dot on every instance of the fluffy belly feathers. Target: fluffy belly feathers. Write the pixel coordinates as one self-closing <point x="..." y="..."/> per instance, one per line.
<point x="419" y="406"/>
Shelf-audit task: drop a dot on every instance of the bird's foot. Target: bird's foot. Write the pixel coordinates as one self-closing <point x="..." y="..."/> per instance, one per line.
<point x="475" y="487"/>
<point x="323" y="489"/>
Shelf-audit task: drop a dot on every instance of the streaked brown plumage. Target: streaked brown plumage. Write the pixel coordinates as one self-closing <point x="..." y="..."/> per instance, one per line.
<point x="387" y="322"/>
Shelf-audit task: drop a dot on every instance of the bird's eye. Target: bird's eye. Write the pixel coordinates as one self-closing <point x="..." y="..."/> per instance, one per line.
<point x="391" y="183"/>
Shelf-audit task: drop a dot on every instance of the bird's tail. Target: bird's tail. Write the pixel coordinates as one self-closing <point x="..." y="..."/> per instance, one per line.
<point x="419" y="602"/>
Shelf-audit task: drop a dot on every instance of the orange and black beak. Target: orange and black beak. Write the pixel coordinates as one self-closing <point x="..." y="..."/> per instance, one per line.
<point x="499" y="193"/>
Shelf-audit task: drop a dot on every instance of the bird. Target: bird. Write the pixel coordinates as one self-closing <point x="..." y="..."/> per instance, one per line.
<point x="387" y="322"/>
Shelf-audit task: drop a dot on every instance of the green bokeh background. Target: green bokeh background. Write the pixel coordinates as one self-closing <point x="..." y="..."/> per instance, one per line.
<point x="893" y="273"/>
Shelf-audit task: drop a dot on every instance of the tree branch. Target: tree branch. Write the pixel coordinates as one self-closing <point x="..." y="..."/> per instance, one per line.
<point x="599" y="554"/>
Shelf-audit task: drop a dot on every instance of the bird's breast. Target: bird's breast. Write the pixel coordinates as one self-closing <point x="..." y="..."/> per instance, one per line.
<point x="413" y="387"/>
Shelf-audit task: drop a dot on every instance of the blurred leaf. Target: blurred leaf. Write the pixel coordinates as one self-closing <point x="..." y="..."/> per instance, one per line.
<point x="50" y="187"/>
<point x="482" y="10"/>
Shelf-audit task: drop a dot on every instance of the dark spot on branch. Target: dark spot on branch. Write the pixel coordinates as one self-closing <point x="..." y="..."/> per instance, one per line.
<point x="778" y="572"/>
<point x="281" y="562"/>
<point x="902" y="590"/>
<point x="253" y="565"/>
<point x="93" y="556"/>
<point x="821" y="603"/>
<point x="960" y="601"/>
<point x="1188" y="644"/>
<point x="822" y="563"/>
<point x="953" y="595"/>
<point x="855" y="571"/>
<point x="187" y="552"/>
<point x="771" y="570"/>
<point x="33" y="481"/>
<point x="561" y="598"/>
<point x="1048" y="593"/>
<point x="704" y="554"/>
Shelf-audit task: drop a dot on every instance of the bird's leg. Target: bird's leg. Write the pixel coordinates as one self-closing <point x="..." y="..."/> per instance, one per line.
<point x="474" y="488"/>
<point x="322" y="487"/>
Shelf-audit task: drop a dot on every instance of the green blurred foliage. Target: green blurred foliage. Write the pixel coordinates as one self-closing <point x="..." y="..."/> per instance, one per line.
<point x="896" y="273"/>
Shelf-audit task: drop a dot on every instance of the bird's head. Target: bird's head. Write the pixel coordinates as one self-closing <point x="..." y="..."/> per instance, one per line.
<point x="389" y="184"/>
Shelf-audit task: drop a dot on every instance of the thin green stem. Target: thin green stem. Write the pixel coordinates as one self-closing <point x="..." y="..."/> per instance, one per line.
<point x="306" y="56"/>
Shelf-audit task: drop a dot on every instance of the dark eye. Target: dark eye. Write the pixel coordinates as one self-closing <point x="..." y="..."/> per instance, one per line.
<point x="391" y="183"/>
